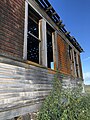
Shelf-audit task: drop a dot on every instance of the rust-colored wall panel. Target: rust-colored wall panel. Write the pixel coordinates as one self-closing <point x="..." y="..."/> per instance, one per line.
<point x="63" y="57"/>
<point x="12" y="27"/>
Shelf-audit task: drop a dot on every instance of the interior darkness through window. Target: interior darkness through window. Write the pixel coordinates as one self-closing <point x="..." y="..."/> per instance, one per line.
<point x="70" y="52"/>
<point x="33" y="36"/>
<point x="76" y="63"/>
<point x="33" y="49"/>
<point x="49" y="47"/>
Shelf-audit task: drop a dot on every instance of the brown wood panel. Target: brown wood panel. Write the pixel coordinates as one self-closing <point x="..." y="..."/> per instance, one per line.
<point x="63" y="56"/>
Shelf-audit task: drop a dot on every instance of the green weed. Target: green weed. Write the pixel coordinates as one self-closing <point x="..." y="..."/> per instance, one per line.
<point x="66" y="104"/>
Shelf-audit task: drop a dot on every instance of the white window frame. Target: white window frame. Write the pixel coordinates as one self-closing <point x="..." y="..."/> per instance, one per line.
<point x="26" y="32"/>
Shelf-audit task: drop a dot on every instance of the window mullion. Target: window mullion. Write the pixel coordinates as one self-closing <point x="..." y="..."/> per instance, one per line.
<point x="34" y="36"/>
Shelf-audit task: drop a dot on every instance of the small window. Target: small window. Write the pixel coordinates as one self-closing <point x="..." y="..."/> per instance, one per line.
<point x="50" y="63"/>
<point x="70" y="53"/>
<point x="75" y="57"/>
<point x="33" y="41"/>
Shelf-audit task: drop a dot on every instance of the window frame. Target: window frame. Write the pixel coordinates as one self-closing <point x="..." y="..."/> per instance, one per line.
<point x="25" y="51"/>
<point x="49" y="32"/>
<point x="42" y="38"/>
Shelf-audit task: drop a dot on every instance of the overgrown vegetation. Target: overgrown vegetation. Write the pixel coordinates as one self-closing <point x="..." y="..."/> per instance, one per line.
<point x="87" y="88"/>
<point x="64" y="104"/>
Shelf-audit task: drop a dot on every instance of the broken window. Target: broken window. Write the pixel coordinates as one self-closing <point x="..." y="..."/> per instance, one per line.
<point x="50" y="63"/>
<point x="33" y="36"/>
<point x="75" y="57"/>
<point x="70" y="52"/>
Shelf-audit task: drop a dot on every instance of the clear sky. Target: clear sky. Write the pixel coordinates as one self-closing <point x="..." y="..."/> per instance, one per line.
<point x="76" y="17"/>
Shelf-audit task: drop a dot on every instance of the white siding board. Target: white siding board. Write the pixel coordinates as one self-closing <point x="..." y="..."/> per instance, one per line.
<point x="21" y="87"/>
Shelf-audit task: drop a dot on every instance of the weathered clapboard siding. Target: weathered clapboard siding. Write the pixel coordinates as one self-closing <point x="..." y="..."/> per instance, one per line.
<point x="23" y="88"/>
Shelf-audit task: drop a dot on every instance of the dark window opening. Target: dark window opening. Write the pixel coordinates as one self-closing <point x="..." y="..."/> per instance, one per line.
<point x="33" y="27"/>
<point x="33" y="36"/>
<point x="76" y="63"/>
<point x="33" y="49"/>
<point x="70" y="52"/>
<point x="50" y="63"/>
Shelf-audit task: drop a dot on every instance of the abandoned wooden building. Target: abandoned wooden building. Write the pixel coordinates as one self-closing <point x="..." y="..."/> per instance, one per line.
<point x="34" y="44"/>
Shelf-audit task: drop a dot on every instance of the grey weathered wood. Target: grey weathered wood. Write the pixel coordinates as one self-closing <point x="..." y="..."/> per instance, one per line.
<point x="55" y="54"/>
<point x="25" y="31"/>
<point x="22" y="85"/>
<point x="43" y="44"/>
<point x="16" y="112"/>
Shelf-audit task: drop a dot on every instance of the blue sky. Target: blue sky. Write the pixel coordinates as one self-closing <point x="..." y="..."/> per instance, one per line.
<point x="76" y="17"/>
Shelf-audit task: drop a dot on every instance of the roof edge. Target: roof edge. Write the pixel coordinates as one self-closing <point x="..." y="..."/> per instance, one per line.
<point x="56" y="19"/>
